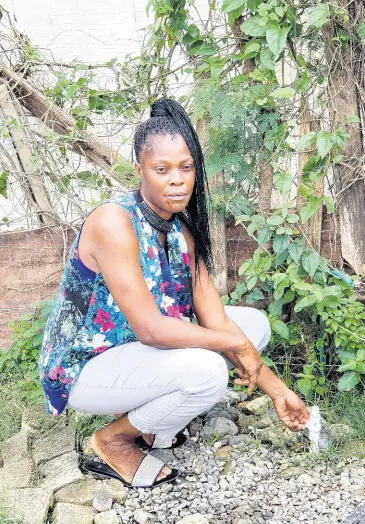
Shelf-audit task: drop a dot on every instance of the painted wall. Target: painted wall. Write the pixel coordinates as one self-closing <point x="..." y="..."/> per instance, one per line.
<point x="87" y="31"/>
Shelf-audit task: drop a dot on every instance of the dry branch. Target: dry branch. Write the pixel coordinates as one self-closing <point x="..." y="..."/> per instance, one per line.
<point x="32" y="175"/>
<point x="86" y="144"/>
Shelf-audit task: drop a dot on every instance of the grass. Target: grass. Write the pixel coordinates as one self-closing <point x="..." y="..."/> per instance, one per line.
<point x="11" y="411"/>
<point x="346" y="408"/>
<point x="6" y="519"/>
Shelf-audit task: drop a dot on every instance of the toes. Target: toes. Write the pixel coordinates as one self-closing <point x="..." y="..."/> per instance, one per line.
<point x="164" y="473"/>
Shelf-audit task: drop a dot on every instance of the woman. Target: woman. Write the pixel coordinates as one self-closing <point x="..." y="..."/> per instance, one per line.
<point x="116" y="342"/>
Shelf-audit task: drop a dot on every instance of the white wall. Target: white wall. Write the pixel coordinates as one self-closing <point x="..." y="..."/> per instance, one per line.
<point x="86" y="30"/>
<point x="90" y="31"/>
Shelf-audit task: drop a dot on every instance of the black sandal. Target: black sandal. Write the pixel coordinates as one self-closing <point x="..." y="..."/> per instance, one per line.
<point x="156" y="444"/>
<point x="144" y="477"/>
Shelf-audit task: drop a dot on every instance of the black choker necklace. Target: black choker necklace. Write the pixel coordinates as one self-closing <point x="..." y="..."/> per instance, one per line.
<point x="153" y="218"/>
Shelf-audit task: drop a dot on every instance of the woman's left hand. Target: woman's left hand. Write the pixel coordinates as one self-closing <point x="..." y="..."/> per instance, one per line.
<point x="291" y="410"/>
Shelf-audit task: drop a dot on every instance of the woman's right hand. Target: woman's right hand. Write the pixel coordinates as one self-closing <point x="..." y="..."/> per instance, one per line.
<point x="249" y="364"/>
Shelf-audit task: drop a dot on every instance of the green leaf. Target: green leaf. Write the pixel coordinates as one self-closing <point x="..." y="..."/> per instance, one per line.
<point x="354" y="119"/>
<point x="360" y="30"/>
<point x="276" y="37"/>
<point x="360" y="367"/>
<point x="289" y="296"/>
<point x="4" y="184"/>
<point x="267" y="361"/>
<point x="193" y="30"/>
<point x="345" y="356"/>
<point x="266" y="58"/>
<point x="252" y="5"/>
<point x="279" y="327"/>
<point x="306" y="140"/>
<point x="251" y="49"/>
<point x="292" y="218"/>
<point x="251" y="282"/>
<point x="231" y="5"/>
<point x="319" y="15"/>
<point x="348" y="366"/>
<point x="360" y="355"/>
<point x="261" y="101"/>
<point x="73" y="88"/>
<point x="280" y="243"/>
<point x="283" y="182"/>
<point x="276" y="307"/>
<point x="303" y="286"/>
<point x="241" y="288"/>
<point x="281" y="257"/>
<point x="254" y="296"/>
<point x="324" y="143"/>
<point x="264" y="236"/>
<point x="305" y="302"/>
<point x="275" y="220"/>
<point x="233" y="15"/>
<point x="242" y="270"/>
<point x="310" y="261"/>
<point x="283" y="92"/>
<point x="253" y="27"/>
<point x="252" y="228"/>
<point x="349" y="381"/>
<point x="305" y="386"/>
<point x="201" y="48"/>
<point x="303" y="82"/>
<point x="309" y="210"/>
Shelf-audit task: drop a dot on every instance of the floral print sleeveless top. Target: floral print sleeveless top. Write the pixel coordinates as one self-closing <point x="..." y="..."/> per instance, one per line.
<point x="86" y="321"/>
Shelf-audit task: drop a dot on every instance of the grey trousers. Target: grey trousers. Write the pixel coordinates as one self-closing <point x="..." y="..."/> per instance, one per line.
<point x="161" y="390"/>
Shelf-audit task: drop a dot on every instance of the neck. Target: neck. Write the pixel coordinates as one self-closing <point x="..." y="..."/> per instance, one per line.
<point x="165" y="215"/>
<point x="154" y="219"/>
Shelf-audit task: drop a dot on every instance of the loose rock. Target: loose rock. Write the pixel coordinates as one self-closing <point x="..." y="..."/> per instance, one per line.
<point x="219" y="427"/>
<point x="108" y="517"/>
<point x="102" y="501"/>
<point x="71" y="513"/>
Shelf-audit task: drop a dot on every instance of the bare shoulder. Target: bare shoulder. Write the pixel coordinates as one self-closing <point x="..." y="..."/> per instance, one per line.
<point x="109" y="220"/>
<point x="107" y="228"/>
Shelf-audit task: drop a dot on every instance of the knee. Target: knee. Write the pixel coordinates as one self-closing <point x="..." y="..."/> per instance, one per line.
<point x="253" y="322"/>
<point x="207" y="372"/>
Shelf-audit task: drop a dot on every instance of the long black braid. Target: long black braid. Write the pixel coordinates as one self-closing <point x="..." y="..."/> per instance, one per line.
<point x="168" y="117"/>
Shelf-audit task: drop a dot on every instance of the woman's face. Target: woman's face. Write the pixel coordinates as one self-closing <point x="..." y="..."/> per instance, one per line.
<point x="167" y="172"/>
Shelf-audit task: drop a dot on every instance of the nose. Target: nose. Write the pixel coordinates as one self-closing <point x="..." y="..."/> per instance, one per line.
<point x="176" y="177"/>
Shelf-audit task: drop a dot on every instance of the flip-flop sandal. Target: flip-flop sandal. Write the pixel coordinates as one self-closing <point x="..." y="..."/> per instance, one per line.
<point x="159" y="444"/>
<point x="145" y="476"/>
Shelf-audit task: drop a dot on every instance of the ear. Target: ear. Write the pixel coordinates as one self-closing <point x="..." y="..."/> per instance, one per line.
<point x="138" y="169"/>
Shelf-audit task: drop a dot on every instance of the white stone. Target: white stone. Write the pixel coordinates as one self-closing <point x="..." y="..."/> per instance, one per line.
<point x="73" y="514"/>
<point x="29" y="504"/>
<point x="142" y="517"/>
<point x="60" y="471"/>
<point x="108" y="517"/>
<point x="102" y="501"/>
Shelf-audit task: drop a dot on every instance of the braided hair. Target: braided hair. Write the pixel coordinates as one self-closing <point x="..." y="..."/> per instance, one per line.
<point x="168" y="117"/>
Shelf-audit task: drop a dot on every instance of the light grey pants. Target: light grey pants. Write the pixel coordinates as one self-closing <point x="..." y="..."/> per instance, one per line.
<point x="162" y="390"/>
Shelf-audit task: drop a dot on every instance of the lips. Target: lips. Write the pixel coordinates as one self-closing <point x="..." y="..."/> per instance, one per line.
<point x="177" y="196"/>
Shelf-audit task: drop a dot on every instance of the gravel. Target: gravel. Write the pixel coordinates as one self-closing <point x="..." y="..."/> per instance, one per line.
<point x="238" y="480"/>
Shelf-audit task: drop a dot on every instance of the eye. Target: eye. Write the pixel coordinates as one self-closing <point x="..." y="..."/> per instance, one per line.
<point x="187" y="167"/>
<point x="161" y="170"/>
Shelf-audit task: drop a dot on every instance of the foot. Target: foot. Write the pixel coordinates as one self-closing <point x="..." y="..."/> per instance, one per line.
<point x="149" y="437"/>
<point x="121" y="454"/>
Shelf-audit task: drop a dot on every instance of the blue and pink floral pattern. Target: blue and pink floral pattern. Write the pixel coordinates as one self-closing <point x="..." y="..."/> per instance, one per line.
<point x="85" y="320"/>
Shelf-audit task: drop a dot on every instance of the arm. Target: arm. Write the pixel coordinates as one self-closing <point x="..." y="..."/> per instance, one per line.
<point x="114" y="246"/>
